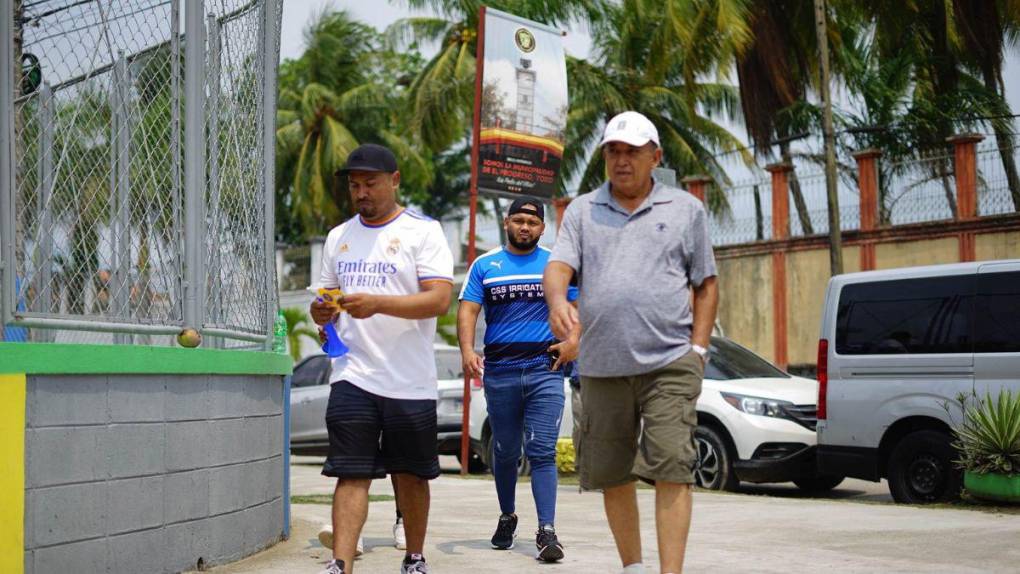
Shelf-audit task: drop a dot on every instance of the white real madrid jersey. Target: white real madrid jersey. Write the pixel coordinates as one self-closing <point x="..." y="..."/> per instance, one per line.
<point x="389" y="356"/>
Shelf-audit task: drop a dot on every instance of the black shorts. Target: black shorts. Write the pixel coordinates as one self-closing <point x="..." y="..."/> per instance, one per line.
<point x="370" y="435"/>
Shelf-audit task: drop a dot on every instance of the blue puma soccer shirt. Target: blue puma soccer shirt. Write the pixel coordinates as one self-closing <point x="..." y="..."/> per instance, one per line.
<point x="509" y="289"/>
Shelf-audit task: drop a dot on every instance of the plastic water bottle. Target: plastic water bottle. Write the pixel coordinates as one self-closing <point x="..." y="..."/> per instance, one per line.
<point x="280" y="333"/>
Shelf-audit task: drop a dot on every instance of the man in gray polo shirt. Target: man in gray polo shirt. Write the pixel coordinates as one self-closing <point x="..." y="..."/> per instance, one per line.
<point x="640" y="250"/>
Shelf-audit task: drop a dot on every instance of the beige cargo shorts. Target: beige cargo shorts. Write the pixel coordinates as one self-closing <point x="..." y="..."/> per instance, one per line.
<point x="640" y="426"/>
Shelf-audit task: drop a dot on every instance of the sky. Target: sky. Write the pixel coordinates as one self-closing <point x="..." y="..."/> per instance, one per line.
<point x="381" y="13"/>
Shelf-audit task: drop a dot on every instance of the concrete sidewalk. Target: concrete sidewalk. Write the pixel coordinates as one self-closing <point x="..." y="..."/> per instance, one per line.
<point x="730" y="533"/>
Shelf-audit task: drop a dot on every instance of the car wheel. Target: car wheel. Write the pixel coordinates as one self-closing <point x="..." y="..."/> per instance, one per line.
<point x="921" y="469"/>
<point x="475" y="463"/>
<point x="714" y="468"/>
<point x="818" y="484"/>
<point x="523" y="467"/>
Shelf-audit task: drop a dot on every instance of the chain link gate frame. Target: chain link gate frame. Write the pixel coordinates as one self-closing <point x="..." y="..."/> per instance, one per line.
<point x="136" y="195"/>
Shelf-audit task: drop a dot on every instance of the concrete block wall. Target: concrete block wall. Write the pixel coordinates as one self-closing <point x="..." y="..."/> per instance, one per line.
<point x="151" y="473"/>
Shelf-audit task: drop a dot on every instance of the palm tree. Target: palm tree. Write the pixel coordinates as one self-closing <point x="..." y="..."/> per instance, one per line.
<point x="630" y="70"/>
<point x="298" y="326"/>
<point x="441" y="95"/>
<point x="945" y="97"/>
<point x="984" y="27"/>
<point x="339" y="93"/>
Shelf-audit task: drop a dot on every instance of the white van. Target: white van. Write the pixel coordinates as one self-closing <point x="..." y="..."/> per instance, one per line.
<point x="898" y="348"/>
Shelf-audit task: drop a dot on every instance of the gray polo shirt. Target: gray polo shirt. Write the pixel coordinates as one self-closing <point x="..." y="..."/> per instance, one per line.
<point x="634" y="272"/>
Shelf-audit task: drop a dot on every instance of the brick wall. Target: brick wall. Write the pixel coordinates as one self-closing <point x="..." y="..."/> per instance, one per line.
<point x="134" y="473"/>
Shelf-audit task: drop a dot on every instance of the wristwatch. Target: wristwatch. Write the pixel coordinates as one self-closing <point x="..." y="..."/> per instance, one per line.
<point x="701" y="351"/>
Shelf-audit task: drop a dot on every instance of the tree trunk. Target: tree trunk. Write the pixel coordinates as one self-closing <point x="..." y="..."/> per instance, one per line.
<point x="884" y="216"/>
<point x="759" y="217"/>
<point x="947" y="188"/>
<point x="1004" y="141"/>
<point x="798" y="197"/>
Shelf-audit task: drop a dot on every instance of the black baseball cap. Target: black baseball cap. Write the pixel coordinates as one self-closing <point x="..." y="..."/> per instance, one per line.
<point x="528" y="205"/>
<point x="370" y="157"/>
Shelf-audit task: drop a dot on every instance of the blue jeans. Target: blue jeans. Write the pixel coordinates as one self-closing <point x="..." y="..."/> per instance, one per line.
<point x="525" y="407"/>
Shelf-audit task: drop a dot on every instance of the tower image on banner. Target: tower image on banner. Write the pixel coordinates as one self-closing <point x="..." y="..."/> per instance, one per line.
<point x="523" y="107"/>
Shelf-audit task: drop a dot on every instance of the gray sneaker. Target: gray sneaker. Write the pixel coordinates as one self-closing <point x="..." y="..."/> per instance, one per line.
<point x="415" y="564"/>
<point x="334" y="567"/>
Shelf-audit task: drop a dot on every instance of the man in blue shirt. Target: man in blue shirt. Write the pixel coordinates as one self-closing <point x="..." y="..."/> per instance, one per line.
<point x="522" y="371"/>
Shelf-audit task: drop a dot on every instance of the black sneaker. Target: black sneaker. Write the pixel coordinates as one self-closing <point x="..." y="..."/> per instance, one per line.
<point x="549" y="547"/>
<point x="506" y="532"/>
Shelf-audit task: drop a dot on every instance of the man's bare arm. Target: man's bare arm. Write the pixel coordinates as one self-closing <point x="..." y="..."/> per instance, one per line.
<point x="467" y="321"/>
<point x="563" y="319"/>
<point x="706" y="303"/>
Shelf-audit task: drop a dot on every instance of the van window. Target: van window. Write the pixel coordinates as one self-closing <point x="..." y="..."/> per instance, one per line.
<point x="918" y="316"/>
<point x="997" y="313"/>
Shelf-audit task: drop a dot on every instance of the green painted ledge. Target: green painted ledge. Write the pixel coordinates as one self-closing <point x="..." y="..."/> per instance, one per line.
<point x="54" y="359"/>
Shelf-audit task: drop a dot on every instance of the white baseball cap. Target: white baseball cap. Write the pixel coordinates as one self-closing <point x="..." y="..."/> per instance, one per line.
<point x="630" y="128"/>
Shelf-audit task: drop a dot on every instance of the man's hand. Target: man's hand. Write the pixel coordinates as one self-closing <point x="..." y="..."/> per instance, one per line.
<point x="563" y="320"/>
<point x="360" y="305"/>
<point x="473" y="364"/>
<point x="323" y="312"/>
<point x="567" y="351"/>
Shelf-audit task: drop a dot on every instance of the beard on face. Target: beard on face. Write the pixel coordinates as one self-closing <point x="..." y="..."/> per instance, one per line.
<point x="522" y="245"/>
<point x="367" y="210"/>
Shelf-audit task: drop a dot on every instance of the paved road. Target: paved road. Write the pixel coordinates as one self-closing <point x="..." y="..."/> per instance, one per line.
<point x="852" y="531"/>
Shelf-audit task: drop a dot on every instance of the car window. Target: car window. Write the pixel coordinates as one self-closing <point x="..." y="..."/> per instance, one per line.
<point x="309" y="372"/>
<point x="448" y="364"/>
<point x="729" y="361"/>
<point x="917" y="316"/>
<point x="997" y="313"/>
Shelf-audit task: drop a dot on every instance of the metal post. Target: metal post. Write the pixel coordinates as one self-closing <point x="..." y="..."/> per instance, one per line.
<point x="270" y="51"/>
<point x="476" y="136"/>
<point x="44" y="235"/>
<point x="214" y="283"/>
<point x="120" y="281"/>
<point x="7" y="264"/>
<point x="194" y="163"/>
<point x="175" y="148"/>
<point x="829" y="140"/>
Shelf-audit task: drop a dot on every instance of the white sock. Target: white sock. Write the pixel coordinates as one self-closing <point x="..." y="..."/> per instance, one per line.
<point x="638" y="568"/>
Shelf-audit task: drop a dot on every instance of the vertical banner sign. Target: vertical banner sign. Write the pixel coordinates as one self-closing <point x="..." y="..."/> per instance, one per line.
<point x="523" y="107"/>
<point x="519" y="124"/>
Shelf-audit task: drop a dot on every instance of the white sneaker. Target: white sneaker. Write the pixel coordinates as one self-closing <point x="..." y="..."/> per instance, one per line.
<point x="326" y="539"/>
<point x="638" y="568"/>
<point x="399" y="538"/>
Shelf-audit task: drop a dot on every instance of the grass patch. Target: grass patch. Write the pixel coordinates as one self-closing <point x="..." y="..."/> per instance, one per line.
<point x="328" y="498"/>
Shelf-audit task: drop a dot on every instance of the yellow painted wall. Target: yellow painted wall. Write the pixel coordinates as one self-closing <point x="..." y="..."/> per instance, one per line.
<point x="807" y="277"/>
<point x="998" y="246"/>
<point x="12" y="474"/>
<point x="745" y="302"/>
<point x="917" y="253"/>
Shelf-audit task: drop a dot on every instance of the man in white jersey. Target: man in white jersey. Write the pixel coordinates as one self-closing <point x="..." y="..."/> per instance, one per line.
<point x="396" y="273"/>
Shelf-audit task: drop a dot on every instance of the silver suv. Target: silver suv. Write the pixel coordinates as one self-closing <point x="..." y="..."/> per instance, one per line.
<point x="898" y="348"/>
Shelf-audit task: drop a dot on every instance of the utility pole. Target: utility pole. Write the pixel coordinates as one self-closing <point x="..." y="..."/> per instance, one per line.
<point x="835" y="234"/>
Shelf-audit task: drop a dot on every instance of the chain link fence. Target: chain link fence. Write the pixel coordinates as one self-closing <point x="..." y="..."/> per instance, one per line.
<point x="139" y="170"/>
<point x="998" y="186"/>
<point x="918" y="190"/>
<point x="749" y="217"/>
